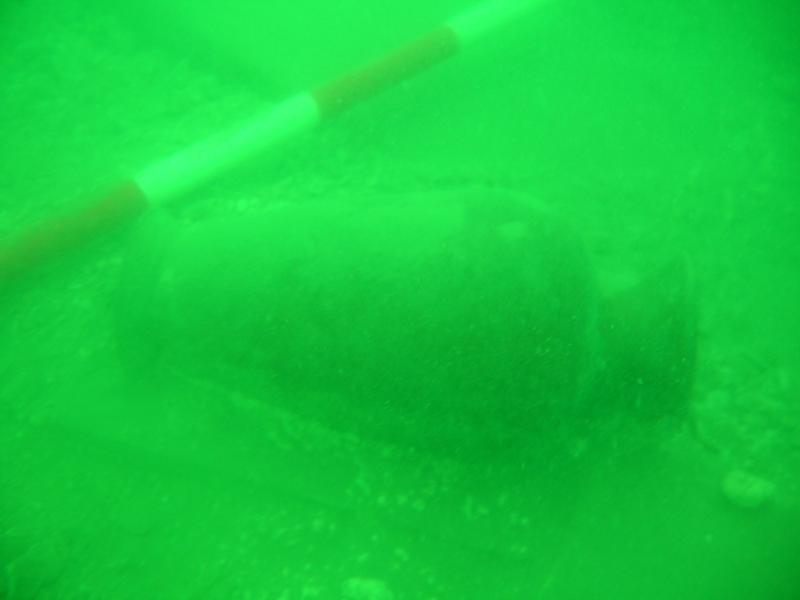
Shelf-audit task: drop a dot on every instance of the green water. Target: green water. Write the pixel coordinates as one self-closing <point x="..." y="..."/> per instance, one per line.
<point x="158" y="441"/>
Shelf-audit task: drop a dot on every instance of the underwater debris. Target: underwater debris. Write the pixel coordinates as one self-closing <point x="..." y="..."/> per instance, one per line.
<point x="358" y="588"/>
<point x="747" y="491"/>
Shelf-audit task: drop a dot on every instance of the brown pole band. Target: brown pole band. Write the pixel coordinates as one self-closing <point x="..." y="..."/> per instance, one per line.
<point x="51" y="239"/>
<point x="340" y="94"/>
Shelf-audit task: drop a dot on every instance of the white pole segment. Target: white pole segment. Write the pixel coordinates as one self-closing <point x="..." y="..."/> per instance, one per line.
<point x="485" y="18"/>
<point x="185" y="170"/>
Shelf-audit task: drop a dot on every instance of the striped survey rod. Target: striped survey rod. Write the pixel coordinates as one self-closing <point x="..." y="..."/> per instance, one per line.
<point x="173" y="177"/>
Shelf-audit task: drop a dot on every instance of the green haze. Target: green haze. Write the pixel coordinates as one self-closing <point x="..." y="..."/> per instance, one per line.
<point x="523" y="326"/>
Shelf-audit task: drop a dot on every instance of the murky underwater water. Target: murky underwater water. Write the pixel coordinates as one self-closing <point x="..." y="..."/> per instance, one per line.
<point x="440" y="346"/>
